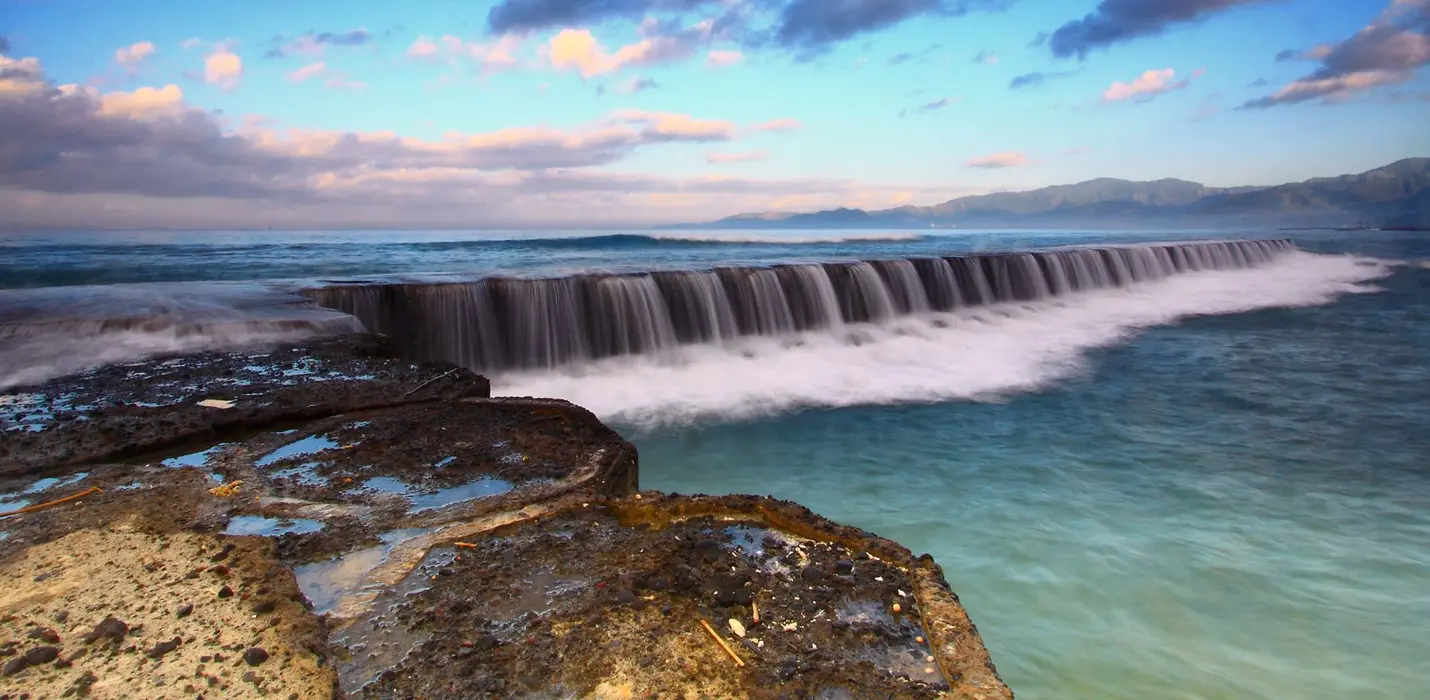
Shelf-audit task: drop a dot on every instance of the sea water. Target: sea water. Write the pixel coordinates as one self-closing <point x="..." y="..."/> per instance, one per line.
<point x="1212" y="486"/>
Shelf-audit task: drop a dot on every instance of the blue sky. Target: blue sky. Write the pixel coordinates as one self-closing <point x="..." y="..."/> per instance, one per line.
<point x="527" y="112"/>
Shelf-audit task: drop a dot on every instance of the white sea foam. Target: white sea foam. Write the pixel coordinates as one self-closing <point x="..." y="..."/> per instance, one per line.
<point x="980" y="354"/>
<point x="786" y="239"/>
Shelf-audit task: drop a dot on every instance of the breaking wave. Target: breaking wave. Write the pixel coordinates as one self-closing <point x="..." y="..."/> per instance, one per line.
<point x="978" y="353"/>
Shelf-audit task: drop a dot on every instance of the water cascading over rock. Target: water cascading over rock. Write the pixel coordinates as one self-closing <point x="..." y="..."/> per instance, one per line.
<point x="505" y="323"/>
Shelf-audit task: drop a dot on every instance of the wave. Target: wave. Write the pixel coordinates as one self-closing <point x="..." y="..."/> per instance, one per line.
<point x="626" y="241"/>
<point x="979" y="354"/>
<point x="28" y="353"/>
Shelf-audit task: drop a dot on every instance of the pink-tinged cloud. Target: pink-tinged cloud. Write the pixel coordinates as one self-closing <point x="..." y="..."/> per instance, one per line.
<point x="723" y="59"/>
<point x="778" y="125"/>
<point x="223" y="68"/>
<point x="1010" y="159"/>
<point x="679" y="125"/>
<point x="746" y="157"/>
<point x="311" y="70"/>
<point x="1388" y="51"/>
<point x="131" y="56"/>
<point x="144" y="102"/>
<point x="1145" y="87"/>
<point x="489" y="56"/>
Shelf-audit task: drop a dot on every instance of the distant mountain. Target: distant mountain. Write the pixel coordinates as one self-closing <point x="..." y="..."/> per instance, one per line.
<point x="1395" y="195"/>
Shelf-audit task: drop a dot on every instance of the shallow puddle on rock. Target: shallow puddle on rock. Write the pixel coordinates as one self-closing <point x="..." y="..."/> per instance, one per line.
<point x="377" y="641"/>
<point x="541" y="591"/>
<point x="419" y="502"/>
<point x="55" y="482"/>
<point x="305" y="474"/>
<point x="312" y="444"/>
<point x="327" y="582"/>
<point x="270" y="527"/>
<point x="195" y="459"/>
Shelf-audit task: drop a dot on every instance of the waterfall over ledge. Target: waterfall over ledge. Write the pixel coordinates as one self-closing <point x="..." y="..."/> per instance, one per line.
<point x="498" y="324"/>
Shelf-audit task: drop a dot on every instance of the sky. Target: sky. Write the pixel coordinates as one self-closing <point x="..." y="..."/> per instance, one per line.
<point x="616" y="113"/>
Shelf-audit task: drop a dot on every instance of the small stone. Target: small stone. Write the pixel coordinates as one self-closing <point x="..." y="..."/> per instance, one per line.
<point x="14" y="666"/>
<point x="625" y="597"/>
<point x="445" y="571"/>
<point x="225" y="592"/>
<point x="737" y="628"/>
<point x="928" y="669"/>
<point x="184" y="610"/>
<point x="45" y="635"/>
<point x="920" y="640"/>
<point x="42" y="655"/>
<point x="111" y="628"/>
<point x="265" y="606"/>
<point x="928" y="659"/>
<point x="163" y="648"/>
<point x="255" y="656"/>
<point x="898" y="608"/>
<point x="61" y="616"/>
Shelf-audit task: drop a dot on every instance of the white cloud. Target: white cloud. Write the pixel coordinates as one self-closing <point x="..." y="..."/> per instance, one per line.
<point x="995" y="161"/>
<point x="312" y="70"/>
<point x="745" y="157"/>
<point x="223" y="68"/>
<point x="1145" y="87"/>
<point x="131" y="56"/>
<point x="720" y="59"/>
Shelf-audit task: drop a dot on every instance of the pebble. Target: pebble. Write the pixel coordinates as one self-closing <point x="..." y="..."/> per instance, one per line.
<point x="255" y="656"/>
<point x="110" y="627"/>
<point x="14" y="666"/>
<point x="44" y="634"/>
<point x="225" y="592"/>
<point x="737" y="628"/>
<point x="898" y="608"/>
<point x="265" y="606"/>
<point x="41" y="655"/>
<point x="920" y="640"/>
<point x="928" y="659"/>
<point x="928" y="669"/>
<point x="163" y="648"/>
<point x="184" y="610"/>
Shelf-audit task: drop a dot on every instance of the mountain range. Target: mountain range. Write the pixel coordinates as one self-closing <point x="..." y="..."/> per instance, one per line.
<point x="1393" y="196"/>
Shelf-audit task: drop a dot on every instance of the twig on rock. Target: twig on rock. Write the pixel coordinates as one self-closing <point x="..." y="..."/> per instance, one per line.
<point x="48" y="504"/>
<point x="423" y="385"/>
<point x="722" y="643"/>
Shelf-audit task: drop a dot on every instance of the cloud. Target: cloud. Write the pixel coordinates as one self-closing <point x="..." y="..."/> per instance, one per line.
<point x="719" y="59"/>
<point x="1145" y="87"/>
<point x="998" y="160"/>
<point x="1259" y="82"/>
<point x="527" y="15"/>
<point x="1116" y="21"/>
<point x="986" y="57"/>
<point x="311" y="70"/>
<point x="223" y="68"/>
<point x="926" y="107"/>
<point x="191" y="43"/>
<point x="314" y="43"/>
<point x="578" y="50"/>
<point x="815" y="25"/>
<point x="131" y="56"/>
<point x="746" y="157"/>
<point x="679" y="126"/>
<point x="777" y="126"/>
<point x="637" y="84"/>
<point x="489" y="56"/>
<point x="905" y="57"/>
<point x="1387" y="52"/>
<point x="1036" y="79"/>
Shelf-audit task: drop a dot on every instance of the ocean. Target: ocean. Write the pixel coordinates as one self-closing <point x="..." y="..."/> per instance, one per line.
<point x="1213" y="484"/>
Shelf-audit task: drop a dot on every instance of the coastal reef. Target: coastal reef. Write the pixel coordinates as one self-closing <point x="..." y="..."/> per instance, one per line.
<point x="328" y="519"/>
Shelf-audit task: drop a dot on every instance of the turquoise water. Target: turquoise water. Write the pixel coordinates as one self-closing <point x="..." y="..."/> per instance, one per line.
<point x="1212" y="486"/>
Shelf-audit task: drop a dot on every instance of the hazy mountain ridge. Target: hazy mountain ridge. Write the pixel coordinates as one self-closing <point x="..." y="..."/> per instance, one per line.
<point x="1397" y="194"/>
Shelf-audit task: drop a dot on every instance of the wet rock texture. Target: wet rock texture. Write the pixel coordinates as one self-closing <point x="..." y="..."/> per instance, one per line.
<point x="606" y="599"/>
<point x="422" y="540"/>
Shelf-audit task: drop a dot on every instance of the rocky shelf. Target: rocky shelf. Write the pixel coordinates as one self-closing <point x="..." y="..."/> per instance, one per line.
<point x="329" y="520"/>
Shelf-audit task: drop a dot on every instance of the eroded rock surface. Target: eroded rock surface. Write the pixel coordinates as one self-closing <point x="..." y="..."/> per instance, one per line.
<point x="356" y="524"/>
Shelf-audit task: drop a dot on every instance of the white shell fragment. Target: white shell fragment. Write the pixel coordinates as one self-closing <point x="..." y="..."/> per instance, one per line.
<point x="737" y="628"/>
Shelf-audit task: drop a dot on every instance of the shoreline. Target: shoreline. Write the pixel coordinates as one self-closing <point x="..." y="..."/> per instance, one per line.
<point x="407" y="534"/>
